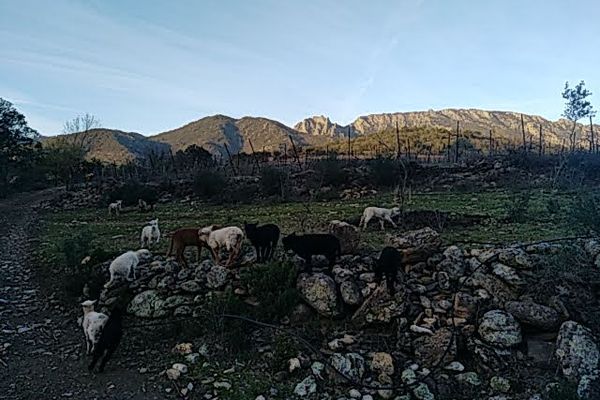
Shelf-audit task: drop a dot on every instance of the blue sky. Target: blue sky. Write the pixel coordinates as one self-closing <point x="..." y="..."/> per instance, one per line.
<point x="149" y="66"/>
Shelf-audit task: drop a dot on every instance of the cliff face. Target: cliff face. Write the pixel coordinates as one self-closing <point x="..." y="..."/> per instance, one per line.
<point x="320" y="125"/>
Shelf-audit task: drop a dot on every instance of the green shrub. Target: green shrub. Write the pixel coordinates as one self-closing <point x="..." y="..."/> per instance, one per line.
<point x="274" y="286"/>
<point x="517" y="206"/>
<point x="385" y="172"/>
<point x="330" y="172"/>
<point x="563" y="391"/>
<point x="75" y="248"/>
<point x="274" y="182"/>
<point x="234" y="334"/>
<point x="585" y="213"/>
<point x="208" y="184"/>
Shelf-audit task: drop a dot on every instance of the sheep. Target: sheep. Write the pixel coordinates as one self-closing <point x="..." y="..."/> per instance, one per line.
<point x="109" y="339"/>
<point x="150" y="234"/>
<point x="388" y="264"/>
<point x="305" y="246"/>
<point x="382" y="214"/>
<point x="230" y="237"/>
<point x="115" y="207"/>
<point x="182" y="238"/>
<point x="124" y="265"/>
<point x="92" y="324"/>
<point x="264" y="238"/>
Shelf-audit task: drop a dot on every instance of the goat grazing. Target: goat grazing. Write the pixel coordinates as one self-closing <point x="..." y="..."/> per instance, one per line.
<point x="150" y="234"/>
<point x="306" y="246"/>
<point x="124" y="265"/>
<point x="115" y="207"/>
<point x="388" y="264"/>
<point x="382" y="214"/>
<point x="92" y="324"/>
<point x="182" y="238"/>
<point x="231" y="238"/>
<point x="264" y="238"/>
<point x="109" y="339"/>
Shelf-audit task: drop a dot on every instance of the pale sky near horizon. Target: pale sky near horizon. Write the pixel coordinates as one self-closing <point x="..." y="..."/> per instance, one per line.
<point x="150" y="66"/>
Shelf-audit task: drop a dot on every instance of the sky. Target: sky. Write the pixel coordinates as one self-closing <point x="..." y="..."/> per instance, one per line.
<point x="150" y="66"/>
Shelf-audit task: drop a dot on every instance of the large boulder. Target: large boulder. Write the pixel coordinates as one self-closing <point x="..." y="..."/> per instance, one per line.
<point x="500" y="329"/>
<point x="349" y="235"/>
<point x="500" y="291"/>
<point x="320" y="292"/>
<point x="417" y="245"/>
<point x="351" y="293"/>
<point x="148" y="304"/>
<point x="380" y="307"/>
<point x="537" y="315"/>
<point x="576" y="351"/>
<point x="507" y="274"/>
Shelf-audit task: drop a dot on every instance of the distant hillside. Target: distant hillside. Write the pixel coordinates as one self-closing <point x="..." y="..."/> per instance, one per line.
<point x="214" y="132"/>
<point x="505" y="124"/>
<point x="112" y="146"/>
<point x="320" y="125"/>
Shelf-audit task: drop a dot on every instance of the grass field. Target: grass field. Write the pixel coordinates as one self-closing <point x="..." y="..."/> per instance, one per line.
<point x="545" y="216"/>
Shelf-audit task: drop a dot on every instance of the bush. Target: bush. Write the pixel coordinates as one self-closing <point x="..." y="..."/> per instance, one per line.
<point x="130" y="192"/>
<point x="386" y="172"/>
<point x="208" y="184"/>
<point x="274" y="286"/>
<point x="517" y="206"/>
<point x="233" y="334"/>
<point x="274" y="182"/>
<point x="330" y="172"/>
<point x="585" y="213"/>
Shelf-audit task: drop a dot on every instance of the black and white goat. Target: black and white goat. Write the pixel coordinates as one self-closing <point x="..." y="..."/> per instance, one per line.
<point x="109" y="339"/>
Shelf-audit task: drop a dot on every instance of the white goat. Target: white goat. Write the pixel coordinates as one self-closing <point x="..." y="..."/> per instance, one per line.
<point x="382" y="214"/>
<point x="92" y="324"/>
<point x="150" y="234"/>
<point x="115" y="207"/>
<point x="124" y="265"/>
<point x="230" y="238"/>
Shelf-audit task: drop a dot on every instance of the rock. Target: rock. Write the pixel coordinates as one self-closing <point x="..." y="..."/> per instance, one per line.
<point x="470" y="378"/>
<point x="465" y="305"/>
<point x="425" y="241"/>
<point x="182" y="311"/>
<point x="576" y="351"/>
<point x="351" y="365"/>
<point x="182" y="348"/>
<point x="499" y="328"/>
<point x="351" y="294"/>
<point x="173" y="374"/>
<point x="592" y="246"/>
<point x="147" y="304"/>
<point x="368" y="277"/>
<point x="429" y="349"/>
<point x="422" y="392"/>
<point x="455" y="366"/>
<point x="317" y="369"/>
<point x="222" y="385"/>
<point x="190" y="287"/>
<point x="306" y="387"/>
<point x="534" y="314"/>
<point x="507" y="274"/>
<point x="500" y="384"/>
<point x="382" y="363"/>
<point x="182" y="368"/>
<point x="499" y="290"/>
<point x="176" y="301"/>
<point x="216" y="277"/>
<point x="319" y="291"/>
<point x="192" y="358"/>
<point x="348" y="235"/>
<point x="355" y="394"/>
<point x="378" y="308"/>
<point x="293" y="364"/>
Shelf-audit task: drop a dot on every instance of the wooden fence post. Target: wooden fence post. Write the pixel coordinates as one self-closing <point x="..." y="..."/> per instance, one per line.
<point x="230" y="159"/>
<point x="457" y="137"/>
<point x="398" y="150"/>
<point x="491" y="143"/>
<point x="295" y="152"/>
<point x="523" y="132"/>
<point x="254" y="156"/>
<point x="592" y="141"/>
<point x="541" y="151"/>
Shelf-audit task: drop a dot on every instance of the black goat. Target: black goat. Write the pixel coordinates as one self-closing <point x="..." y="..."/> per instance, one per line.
<point x="264" y="238"/>
<point x="109" y="339"/>
<point x="312" y="244"/>
<point x="388" y="264"/>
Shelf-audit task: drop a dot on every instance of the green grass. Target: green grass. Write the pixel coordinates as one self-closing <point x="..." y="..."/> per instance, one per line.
<point x="117" y="234"/>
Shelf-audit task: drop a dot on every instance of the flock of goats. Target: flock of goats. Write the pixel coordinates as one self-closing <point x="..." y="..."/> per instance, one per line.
<point x="103" y="333"/>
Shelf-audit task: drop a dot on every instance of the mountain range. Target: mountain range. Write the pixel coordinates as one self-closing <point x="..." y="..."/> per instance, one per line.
<point x="219" y="133"/>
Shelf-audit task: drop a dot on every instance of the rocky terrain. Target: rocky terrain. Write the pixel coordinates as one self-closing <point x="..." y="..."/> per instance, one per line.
<point x="463" y="324"/>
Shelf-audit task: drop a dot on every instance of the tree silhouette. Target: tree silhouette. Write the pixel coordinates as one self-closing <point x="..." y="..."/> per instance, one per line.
<point x="576" y="107"/>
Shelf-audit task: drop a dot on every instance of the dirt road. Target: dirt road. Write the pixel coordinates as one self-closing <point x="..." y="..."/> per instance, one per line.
<point x="41" y="345"/>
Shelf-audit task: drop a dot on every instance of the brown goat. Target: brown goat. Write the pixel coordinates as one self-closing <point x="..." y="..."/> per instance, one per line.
<point x="182" y="238"/>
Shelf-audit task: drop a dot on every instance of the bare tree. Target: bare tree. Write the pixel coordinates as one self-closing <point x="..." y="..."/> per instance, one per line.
<point x="576" y="107"/>
<point x="78" y="127"/>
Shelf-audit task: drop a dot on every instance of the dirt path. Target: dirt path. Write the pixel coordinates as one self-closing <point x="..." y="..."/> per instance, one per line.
<point x="41" y="344"/>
